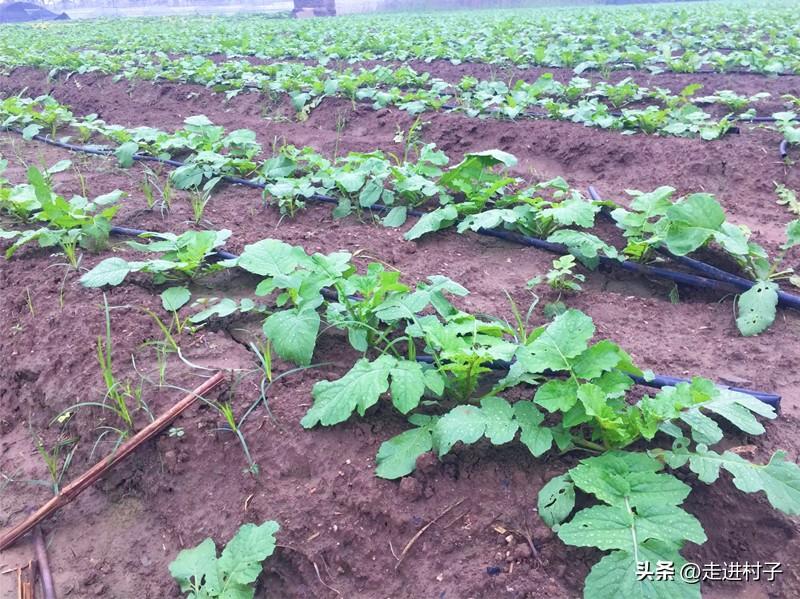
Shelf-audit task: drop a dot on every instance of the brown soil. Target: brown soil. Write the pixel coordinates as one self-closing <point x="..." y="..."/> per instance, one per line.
<point x="340" y="524"/>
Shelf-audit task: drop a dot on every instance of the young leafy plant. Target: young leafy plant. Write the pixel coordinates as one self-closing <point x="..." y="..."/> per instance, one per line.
<point x="70" y="224"/>
<point x="698" y="221"/>
<point x="182" y="257"/>
<point x="202" y="574"/>
<point x="580" y="403"/>
<point x="561" y="277"/>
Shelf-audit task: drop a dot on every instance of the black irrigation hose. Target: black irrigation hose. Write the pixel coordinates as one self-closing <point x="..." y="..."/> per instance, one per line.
<point x="618" y="114"/>
<point x="635" y="267"/>
<point x="670" y="381"/>
<point x="783" y="148"/>
<point x="657" y="381"/>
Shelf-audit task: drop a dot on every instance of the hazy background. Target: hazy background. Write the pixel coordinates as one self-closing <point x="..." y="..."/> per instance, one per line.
<point x="77" y="9"/>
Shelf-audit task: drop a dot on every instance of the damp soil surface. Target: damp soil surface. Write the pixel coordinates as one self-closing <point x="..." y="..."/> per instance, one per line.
<point x="343" y="529"/>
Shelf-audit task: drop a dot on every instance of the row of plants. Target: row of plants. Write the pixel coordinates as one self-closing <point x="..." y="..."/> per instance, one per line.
<point x="477" y="194"/>
<point x="436" y="364"/>
<point x="578" y="100"/>
<point x="722" y="37"/>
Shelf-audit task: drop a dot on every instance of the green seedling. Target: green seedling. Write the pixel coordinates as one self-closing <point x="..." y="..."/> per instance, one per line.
<point x="226" y="410"/>
<point x="232" y="575"/>
<point x="561" y="277"/>
<point x="181" y="257"/>
<point x="57" y="459"/>
<point x="121" y="398"/>
<point x="788" y="198"/>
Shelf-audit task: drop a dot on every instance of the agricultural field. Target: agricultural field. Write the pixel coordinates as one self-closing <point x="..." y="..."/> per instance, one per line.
<point x="478" y="304"/>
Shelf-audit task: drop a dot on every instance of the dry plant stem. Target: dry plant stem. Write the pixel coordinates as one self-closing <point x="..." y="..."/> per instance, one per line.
<point x="40" y="548"/>
<point x="80" y="484"/>
<point x="413" y="540"/>
<point x="316" y="568"/>
<point x="28" y="588"/>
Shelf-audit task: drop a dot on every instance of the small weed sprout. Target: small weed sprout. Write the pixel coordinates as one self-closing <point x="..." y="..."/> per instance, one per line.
<point x="57" y="459"/>
<point x="121" y="398"/>
<point x="562" y="276"/>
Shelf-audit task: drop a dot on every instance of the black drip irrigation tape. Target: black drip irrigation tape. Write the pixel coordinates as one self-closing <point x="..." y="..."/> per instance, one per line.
<point x="717" y="274"/>
<point x="635" y="267"/>
<point x="783" y="148"/>
<point x="656" y="382"/>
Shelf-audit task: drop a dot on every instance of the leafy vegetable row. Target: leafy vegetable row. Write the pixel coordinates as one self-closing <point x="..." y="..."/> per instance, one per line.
<point x="476" y="194"/>
<point x="577" y="101"/>
<point x="759" y="38"/>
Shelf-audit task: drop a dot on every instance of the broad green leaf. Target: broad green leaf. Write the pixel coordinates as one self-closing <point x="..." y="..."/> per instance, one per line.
<point x="196" y="566"/>
<point x="42" y="188"/>
<point x="63" y="165"/>
<point x="599" y="358"/>
<point x="360" y="388"/>
<point x="556" y="501"/>
<point x="407" y="385"/>
<point x="174" y="298"/>
<point x="779" y="479"/>
<point x="438" y="219"/>
<point x="704" y="429"/>
<point x="111" y="271"/>
<point x="463" y="423"/>
<point x="616" y="477"/>
<point x="271" y="257"/>
<point x="615" y="576"/>
<point x="757" y="307"/>
<point x="397" y="457"/>
<point x="736" y="414"/>
<point x="499" y="418"/>
<point x="434" y="381"/>
<point x="350" y="182"/>
<point x="692" y="222"/>
<point x="125" y="153"/>
<point x="616" y="527"/>
<point x="293" y="334"/>
<point x="593" y="399"/>
<point x="491" y="157"/>
<point x="488" y="219"/>
<point x="573" y="211"/>
<point x="557" y="395"/>
<point x="584" y="246"/>
<point x="538" y="439"/>
<point x="792" y="234"/>
<point x="225" y="307"/>
<point x="561" y="341"/>
<point x="240" y="562"/>
<point x="396" y="217"/>
<point x="30" y="131"/>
